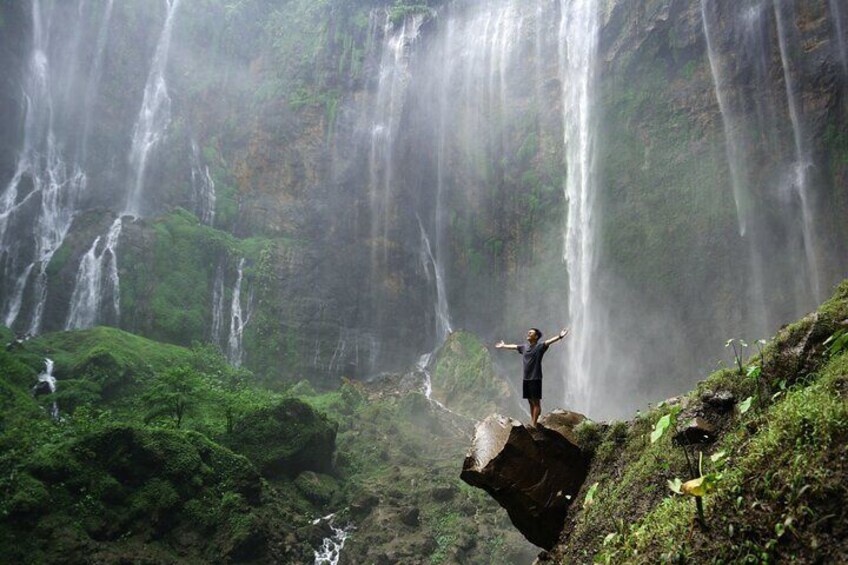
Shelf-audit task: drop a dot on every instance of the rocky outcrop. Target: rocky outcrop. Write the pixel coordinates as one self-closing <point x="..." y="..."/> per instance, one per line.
<point x="534" y="473"/>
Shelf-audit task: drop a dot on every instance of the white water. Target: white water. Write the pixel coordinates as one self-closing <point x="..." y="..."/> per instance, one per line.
<point x="218" y="304"/>
<point x="433" y="270"/>
<point x="94" y="78"/>
<point x="97" y="277"/>
<point x="798" y="180"/>
<point x="238" y="320"/>
<point x="56" y="183"/>
<point x="385" y="121"/>
<point x="578" y="37"/>
<point x="154" y="117"/>
<point x="204" y="187"/>
<point x="47" y="377"/>
<point x="331" y="547"/>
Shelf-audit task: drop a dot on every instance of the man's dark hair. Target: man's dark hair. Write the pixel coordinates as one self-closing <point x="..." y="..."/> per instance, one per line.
<point x="538" y="332"/>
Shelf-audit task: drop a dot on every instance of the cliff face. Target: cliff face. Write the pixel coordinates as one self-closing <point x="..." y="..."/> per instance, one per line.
<point x="389" y="175"/>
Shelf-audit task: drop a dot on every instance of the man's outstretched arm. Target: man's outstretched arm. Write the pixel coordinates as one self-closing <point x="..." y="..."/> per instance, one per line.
<point x="502" y="345"/>
<point x="561" y="335"/>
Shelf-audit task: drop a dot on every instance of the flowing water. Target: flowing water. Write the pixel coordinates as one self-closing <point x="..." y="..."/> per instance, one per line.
<point x="47" y="377"/>
<point x="204" y="187"/>
<point x="239" y="317"/>
<point x="97" y="282"/>
<point x="154" y="117"/>
<point x="331" y="547"/>
<point x="578" y="49"/>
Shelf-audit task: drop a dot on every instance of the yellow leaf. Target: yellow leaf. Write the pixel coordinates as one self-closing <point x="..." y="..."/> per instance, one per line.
<point x="695" y="487"/>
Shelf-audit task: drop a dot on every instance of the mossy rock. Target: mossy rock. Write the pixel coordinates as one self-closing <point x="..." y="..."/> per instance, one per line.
<point x="317" y="487"/>
<point x="285" y="439"/>
<point x="465" y="380"/>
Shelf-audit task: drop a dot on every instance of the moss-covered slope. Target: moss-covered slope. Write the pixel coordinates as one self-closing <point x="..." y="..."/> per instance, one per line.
<point x="777" y="465"/>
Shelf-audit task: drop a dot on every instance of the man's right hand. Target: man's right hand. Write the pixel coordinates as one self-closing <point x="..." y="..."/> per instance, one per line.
<point x="500" y="344"/>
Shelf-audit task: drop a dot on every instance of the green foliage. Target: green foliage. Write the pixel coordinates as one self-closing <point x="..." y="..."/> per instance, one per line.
<point x="589" y="435"/>
<point x="172" y="393"/>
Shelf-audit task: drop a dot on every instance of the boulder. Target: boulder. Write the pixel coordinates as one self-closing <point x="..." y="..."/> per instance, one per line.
<point x="696" y="431"/>
<point x="534" y="473"/>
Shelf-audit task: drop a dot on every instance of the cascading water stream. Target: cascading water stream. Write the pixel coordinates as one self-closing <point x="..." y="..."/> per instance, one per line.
<point x="90" y="288"/>
<point x="42" y="195"/>
<point x="154" y="117"/>
<point x="798" y="181"/>
<point x="49" y="381"/>
<point x="331" y="547"/>
<point x="578" y="46"/>
<point x="238" y="320"/>
<point x="151" y="124"/>
<point x="218" y="304"/>
<point x="204" y="187"/>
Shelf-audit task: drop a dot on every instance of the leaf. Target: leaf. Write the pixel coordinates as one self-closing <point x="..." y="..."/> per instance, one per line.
<point x="743" y="343"/>
<point x="745" y="405"/>
<point x="675" y="485"/>
<point x="754" y="371"/>
<point x="610" y="537"/>
<point x="660" y="428"/>
<point x="590" y="496"/>
<point x="729" y="342"/>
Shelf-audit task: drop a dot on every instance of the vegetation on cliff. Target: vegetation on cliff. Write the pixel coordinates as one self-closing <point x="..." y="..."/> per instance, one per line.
<point x="774" y="462"/>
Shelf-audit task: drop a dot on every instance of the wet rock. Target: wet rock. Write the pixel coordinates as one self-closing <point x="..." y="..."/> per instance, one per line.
<point x="697" y="430"/>
<point x="533" y="473"/>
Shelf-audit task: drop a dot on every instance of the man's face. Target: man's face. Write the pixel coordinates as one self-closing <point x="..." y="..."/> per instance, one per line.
<point x="532" y="336"/>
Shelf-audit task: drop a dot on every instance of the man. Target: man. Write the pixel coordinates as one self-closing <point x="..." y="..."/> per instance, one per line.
<point x="533" y="351"/>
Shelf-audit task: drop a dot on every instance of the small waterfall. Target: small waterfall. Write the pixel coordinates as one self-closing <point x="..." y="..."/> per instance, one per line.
<point x="578" y="37"/>
<point x="238" y="320"/>
<point x="46" y="377"/>
<point x="433" y="269"/>
<point x="204" y="187"/>
<point x="331" y="547"/>
<point x="218" y="304"/>
<point x="798" y="180"/>
<point x="154" y="117"/>
<point x="97" y="278"/>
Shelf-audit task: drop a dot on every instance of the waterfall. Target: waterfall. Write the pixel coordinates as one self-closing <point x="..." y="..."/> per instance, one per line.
<point x="238" y="320"/>
<point x="578" y="39"/>
<point x="42" y="195"/>
<point x="92" y="286"/>
<point x="47" y="379"/>
<point x="94" y="78"/>
<point x="204" y="187"/>
<point x="331" y="547"/>
<point x="797" y="181"/>
<point x="733" y="147"/>
<point x="441" y="309"/>
<point x="154" y="117"/>
<point x="385" y="120"/>
<point x="218" y="304"/>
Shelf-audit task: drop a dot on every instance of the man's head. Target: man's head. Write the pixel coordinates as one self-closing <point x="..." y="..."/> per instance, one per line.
<point x="534" y="335"/>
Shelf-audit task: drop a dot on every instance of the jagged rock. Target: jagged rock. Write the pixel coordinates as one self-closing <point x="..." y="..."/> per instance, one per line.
<point x="697" y="430"/>
<point x="409" y="516"/>
<point x="533" y="473"/>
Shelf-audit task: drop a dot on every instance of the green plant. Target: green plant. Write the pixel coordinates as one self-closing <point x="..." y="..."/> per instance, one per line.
<point x="737" y="352"/>
<point x="837" y="342"/>
<point x="172" y="393"/>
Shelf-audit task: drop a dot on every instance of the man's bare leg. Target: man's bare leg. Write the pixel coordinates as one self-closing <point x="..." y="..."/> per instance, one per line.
<point x="535" y="410"/>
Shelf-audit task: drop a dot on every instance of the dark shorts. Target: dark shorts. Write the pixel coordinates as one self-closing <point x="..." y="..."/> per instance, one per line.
<point x="533" y="389"/>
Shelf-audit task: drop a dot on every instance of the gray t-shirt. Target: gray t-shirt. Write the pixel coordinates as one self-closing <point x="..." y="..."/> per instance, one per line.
<point x="532" y="355"/>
